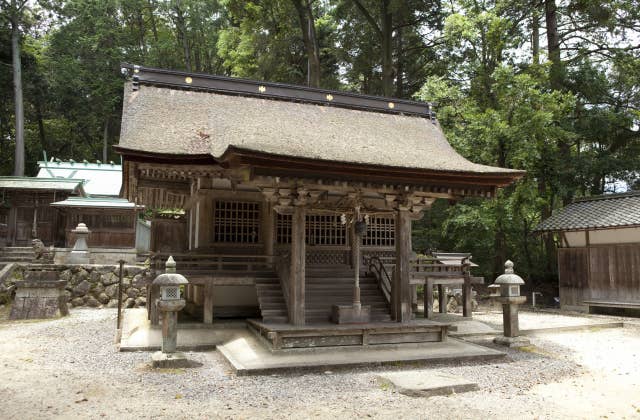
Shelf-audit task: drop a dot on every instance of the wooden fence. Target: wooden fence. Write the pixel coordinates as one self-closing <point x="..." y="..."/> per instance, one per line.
<point x="600" y="273"/>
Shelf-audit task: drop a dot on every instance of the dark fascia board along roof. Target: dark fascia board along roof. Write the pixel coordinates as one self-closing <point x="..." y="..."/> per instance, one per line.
<point x="168" y="113"/>
<point x="600" y="212"/>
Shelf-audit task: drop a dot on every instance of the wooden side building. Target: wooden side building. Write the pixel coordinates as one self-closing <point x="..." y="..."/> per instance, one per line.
<point x="599" y="253"/>
<point x="290" y="194"/>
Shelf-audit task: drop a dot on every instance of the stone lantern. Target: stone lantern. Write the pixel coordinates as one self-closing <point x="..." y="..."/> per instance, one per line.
<point x="510" y="298"/>
<point x="80" y="252"/>
<point x="170" y="304"/>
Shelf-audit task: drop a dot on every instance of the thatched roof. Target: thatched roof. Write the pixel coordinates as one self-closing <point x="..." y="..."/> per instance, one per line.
<point x="165" y="120"/>
<point x="600" y="212"/>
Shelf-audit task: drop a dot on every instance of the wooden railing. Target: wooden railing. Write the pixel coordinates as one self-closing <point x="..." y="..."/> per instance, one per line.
<point x="378" y="269"/>
<point x="441" y="265"/>
<point x="192" y="263"/>
<point x="283" y="268"/>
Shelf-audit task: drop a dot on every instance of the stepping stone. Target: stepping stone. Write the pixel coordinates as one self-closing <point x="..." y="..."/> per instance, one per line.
<point x="426" y="383"/>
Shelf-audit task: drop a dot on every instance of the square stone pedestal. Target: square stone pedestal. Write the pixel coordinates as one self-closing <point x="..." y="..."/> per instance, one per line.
<point x="40" y="296"/>
<point x="348" y="314"/>
<point x="169" y="360"/>
<point x="512" y="341"/>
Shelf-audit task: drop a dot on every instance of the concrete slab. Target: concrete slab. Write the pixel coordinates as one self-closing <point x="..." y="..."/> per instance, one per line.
<point x="532" y="322"/>
<point x="490" y="323"/>
<point x="248" y="356"/>
<point x="426" y="383"/>
<point x="139" y="335"/>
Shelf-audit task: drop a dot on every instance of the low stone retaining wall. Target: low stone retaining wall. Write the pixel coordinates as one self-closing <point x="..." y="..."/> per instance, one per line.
<point x="90" y="285"/>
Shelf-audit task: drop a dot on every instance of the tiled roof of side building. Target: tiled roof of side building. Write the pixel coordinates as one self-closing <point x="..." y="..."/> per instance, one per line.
<point x="179" y="120"/>
<point x="104" y="203"/>
<point x="100" y="179"/>
<point x="50" y="184"/>
<point x="606" y="211"/>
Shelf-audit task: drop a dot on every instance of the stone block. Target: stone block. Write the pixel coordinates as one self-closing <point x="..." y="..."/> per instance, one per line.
<point x="426" y="383"/>
<point x="92" y="302"/>
<point x="348" y="314"/>
<point x="169" y="360"/>
<point x="512" y="342"/>
<point x="112" y="291"/>
<point x="39" y="300"/>
<point x="82" y="288"/>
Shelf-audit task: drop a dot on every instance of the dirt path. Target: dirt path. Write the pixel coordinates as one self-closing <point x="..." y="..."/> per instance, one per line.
<point x="68" y="368"/>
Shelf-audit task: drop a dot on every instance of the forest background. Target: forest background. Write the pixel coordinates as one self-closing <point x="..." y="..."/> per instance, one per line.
<point x="551" y="87"/>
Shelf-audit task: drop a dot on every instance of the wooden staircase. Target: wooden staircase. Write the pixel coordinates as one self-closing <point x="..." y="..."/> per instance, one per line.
<point x="333" y="285"/>
<point x="272" y="304"/>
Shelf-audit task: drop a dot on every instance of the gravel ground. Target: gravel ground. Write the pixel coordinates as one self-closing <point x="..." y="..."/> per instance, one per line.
<point x="68" y="368"/>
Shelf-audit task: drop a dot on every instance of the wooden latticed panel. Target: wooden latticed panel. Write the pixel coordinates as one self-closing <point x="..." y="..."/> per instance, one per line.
<point x="380" y="232"/>
<point x="283" y="229"/>
<point x="321" y="230"/>
<point x="236" y="222"/>
<point x="325" y="230"/>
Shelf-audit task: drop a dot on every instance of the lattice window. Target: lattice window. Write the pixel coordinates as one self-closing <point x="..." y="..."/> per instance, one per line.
<point x="283" y="228"/>
<point x="380" y="231"/>
<point x="321" y="230"/>
<point x="236" y="222"/>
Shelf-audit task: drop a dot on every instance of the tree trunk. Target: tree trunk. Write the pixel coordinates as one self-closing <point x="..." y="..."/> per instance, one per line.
<point x="387" y="48"/>
<point x="182" y="35"/>
<point x="553" y="43"/>
<point x="535" y="35"/>
<point x="105" y="141"/>
<point x="399" y="65"/>
<point x="17" y="89"/>
<point x="46" y="145"/>
<point x="307" y="27"/>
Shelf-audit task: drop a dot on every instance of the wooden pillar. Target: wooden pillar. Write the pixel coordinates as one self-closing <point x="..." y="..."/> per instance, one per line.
<point x="401" y="290"/>
<point x="12" y="227"/>
<point x="297" y="272"/>
<point x="268" y="229"/>
<point x="442" y="299"/>
<point x="208" y="303"/>
<point x="466" y="296"/>
<point x="428" y="299"/>
<point x="355" y="246"/>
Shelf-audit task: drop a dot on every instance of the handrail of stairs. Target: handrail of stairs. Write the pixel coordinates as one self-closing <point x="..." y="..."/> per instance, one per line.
<point x="283" y="269"/>
<point x="377" y="268"/>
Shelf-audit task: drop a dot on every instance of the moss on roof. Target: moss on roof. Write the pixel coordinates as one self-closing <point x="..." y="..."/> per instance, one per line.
<point x="173" y="121"/>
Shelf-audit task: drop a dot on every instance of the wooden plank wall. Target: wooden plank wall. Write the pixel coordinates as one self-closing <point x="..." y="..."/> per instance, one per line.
<point x="603" y="272"/>
<point x="169" y="235"/>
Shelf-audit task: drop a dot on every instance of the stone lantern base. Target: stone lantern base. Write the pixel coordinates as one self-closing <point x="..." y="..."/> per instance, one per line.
<point x="512" y="342"/>
<point x="169" y="360"/>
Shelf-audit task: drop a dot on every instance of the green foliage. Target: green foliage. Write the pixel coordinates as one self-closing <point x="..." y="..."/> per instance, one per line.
<point x="574" y="135"/>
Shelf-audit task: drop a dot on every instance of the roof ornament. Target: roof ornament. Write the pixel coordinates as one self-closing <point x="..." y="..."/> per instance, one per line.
<point x="136" y="78"/>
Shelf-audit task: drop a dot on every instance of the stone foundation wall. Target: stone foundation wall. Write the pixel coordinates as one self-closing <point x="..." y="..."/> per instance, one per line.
<point x="91" y="285"/>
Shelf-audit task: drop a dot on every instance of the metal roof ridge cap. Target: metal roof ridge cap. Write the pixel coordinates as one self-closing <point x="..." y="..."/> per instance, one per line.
<point x="275" y="84"/>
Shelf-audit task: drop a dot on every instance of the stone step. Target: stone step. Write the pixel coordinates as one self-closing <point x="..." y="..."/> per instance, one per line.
<point x="275" y="319"/>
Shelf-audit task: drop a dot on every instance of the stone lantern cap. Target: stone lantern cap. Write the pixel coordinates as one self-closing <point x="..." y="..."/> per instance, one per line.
<point x="509" y="277"/>
<point x="170" y="277"/>
<point x="81" y="228"/>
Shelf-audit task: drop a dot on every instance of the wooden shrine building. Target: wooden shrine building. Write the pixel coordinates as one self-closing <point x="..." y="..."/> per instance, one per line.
<point x="599" y="254"/>
<point x="64" y="193"/>
<point x="289" y="193"/>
